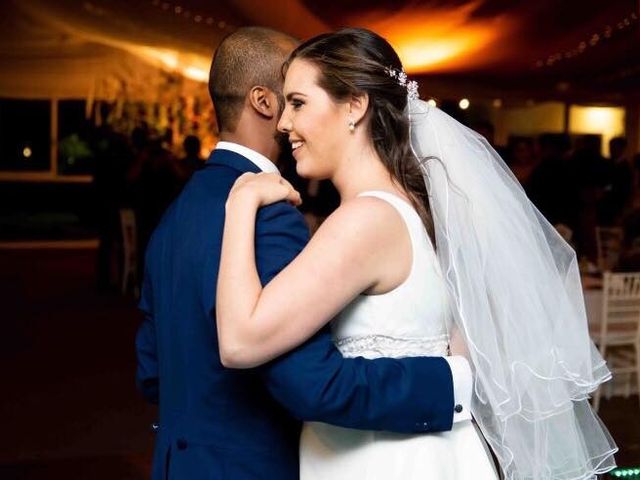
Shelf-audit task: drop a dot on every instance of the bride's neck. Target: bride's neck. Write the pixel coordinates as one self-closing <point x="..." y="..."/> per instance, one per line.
<point x="361" y="170"/>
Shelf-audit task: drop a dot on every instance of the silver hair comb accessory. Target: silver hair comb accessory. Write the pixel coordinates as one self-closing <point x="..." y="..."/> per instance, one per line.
<point x="401" y="78"/>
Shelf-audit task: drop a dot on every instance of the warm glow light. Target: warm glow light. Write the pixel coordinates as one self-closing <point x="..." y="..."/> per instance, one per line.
<point x="168" y="57"/>
<point x="497" y="103"/>
<point x="464" y="104"/>
<point x="417" y="53"/>
<point x="26" y="152"/>
<point x="193" y="66"/>
<point x="598" y="119"/>
<point x="432" y="102"/>
<point x="197" y="74"/>
<point x="431" y="39"/>
<point x="605" y="121"/>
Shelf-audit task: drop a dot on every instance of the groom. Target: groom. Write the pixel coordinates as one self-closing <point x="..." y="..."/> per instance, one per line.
<point x="217" y="423"/>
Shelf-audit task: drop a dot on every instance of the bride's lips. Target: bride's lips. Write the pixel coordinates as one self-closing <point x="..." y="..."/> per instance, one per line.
<point x="295" y="146"/>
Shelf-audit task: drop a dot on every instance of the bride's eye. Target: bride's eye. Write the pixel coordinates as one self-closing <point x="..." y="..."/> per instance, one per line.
<point x="296" y="104"/>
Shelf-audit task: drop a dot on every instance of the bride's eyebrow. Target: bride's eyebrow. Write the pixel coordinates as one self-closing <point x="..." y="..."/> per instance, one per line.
<point x="291" y="95"/>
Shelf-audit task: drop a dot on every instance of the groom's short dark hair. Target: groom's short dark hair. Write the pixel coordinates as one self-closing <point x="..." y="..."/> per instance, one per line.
<point x="248" y="57"/>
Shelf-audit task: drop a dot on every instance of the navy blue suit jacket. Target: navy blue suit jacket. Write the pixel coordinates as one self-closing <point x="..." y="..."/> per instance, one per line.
<point x="219" y="423"/>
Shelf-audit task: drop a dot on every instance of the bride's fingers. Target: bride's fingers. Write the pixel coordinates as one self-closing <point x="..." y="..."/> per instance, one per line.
<point x="275" y="184"/>
<point x="293" y="196"/>
<point x="296" y="199"/>
<point x="270" y="187"/>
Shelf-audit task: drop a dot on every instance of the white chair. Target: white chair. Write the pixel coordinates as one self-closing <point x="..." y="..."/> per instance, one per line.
<point x="618" y="337"/>
<point x="130" y="250"/>
<point x="609" y="241"/>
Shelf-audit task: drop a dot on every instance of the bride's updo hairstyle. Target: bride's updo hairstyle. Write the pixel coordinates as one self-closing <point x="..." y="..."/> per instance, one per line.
<point x="355" y="61"/>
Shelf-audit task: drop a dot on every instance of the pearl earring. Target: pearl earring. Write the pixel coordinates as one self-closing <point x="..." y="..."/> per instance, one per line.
<point x="352" y="125"/>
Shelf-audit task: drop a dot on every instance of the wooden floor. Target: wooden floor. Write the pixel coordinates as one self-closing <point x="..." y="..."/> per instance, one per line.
<point x="68" y="406"/>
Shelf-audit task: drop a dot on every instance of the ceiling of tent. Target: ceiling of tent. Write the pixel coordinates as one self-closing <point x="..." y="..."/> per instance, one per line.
<point x="580" y="48"/>
<point x="44" y="57"/>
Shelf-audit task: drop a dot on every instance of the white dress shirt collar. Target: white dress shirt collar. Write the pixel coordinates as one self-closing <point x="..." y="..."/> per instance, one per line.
<point x="259" y="160"/>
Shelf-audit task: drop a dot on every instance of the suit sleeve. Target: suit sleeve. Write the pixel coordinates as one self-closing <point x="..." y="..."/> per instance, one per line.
<point x="146" y="352"/>
<point x="315" y="383"/>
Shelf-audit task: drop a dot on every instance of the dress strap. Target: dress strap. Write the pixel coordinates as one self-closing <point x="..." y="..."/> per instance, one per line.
<point x="404" y="208"/>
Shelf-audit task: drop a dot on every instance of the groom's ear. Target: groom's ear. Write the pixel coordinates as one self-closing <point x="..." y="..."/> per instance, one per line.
<point x="263" y="101"/>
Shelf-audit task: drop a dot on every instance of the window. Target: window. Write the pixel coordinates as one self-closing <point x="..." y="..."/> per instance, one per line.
<point x="25" y="129"/>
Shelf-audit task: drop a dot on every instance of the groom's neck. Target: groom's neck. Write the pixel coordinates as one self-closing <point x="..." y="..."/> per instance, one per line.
<point x="265" y="146"/>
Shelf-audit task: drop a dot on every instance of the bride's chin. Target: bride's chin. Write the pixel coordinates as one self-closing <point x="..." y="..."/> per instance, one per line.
<point x="303" y="171"/>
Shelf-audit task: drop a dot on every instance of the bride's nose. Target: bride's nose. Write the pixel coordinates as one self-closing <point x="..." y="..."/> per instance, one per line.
<point x="284" y="124"/>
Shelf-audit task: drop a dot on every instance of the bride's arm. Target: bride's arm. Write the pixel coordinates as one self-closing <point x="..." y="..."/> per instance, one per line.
<point x="343" y="259"/>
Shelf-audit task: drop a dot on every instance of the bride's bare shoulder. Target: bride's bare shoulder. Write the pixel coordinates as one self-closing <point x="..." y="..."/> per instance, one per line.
<point x="366" y="218"/>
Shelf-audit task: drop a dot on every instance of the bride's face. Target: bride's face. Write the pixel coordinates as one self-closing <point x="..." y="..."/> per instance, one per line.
<point x="317" y="125"/>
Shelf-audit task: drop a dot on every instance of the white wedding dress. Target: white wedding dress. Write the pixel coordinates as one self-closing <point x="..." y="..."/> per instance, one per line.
<point x="411" y="320"/>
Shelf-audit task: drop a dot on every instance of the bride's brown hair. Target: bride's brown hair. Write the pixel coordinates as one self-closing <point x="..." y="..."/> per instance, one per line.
<point x="354" y="61"/>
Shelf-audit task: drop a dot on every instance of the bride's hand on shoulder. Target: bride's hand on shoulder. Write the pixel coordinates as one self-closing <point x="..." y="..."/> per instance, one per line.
<point x="260" y="189"/>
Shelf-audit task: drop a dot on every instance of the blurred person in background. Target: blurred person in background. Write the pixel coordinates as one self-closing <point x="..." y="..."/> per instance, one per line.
<point x="112" y="158"/>
<point x="192" y="160"/>
<point x="154" y="180"/>
<point x="630" y="260"/>
<point x="591" y="174"/>
<point x="619" y="186"/>
<point x="521" y="159"/>
<point x="551" y="187"/>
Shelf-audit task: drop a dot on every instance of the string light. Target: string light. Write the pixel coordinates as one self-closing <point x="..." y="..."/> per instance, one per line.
<point x="199" y="18"/>
<point x="630" y="473"/>
<point x="26" y="152"/>
<point x="432" y="103"/>
<point x="464" y="104"/>
<point x="596" y="38"/>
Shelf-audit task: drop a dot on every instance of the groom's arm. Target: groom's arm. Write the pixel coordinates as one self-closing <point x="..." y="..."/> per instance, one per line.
<point x="315" y="383"/>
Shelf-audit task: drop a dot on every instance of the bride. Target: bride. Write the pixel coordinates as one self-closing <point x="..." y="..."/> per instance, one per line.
<point x="434" y="247"/>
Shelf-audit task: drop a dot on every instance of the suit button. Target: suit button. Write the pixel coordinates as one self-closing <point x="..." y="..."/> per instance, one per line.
<point x="425" y="425"/>
<point x="458" y="408"/>
<point x="181" y="443"/>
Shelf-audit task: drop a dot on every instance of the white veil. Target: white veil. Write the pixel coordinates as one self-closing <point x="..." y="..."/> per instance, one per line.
<point x="517" y="300"/>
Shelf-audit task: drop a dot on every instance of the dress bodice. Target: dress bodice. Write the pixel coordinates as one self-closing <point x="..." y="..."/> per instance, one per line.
<point x="410" y="320"/>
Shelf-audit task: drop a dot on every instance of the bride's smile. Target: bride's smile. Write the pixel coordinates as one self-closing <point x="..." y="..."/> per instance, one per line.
<point x="310" y="117"/>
